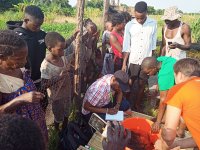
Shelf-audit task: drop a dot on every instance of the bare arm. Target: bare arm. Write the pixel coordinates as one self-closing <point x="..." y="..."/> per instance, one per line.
<point x="115" y="43"/>
<point x="154" y="40"/>
<point x="118" y="98"/>
<point x="71" y="39"/>
<point x="186" y="37"/>
<point x="186" y="34"/>
<point x="185" y="143"/>
<point x="171" y="122"/>
<point x="161" y="111"/>
<point x="46" y="83"/>
<point x="94" y="109"/>
<point x="11" y="106"/>
<point x="163" y="44"/>
<point x="125" y="59"/>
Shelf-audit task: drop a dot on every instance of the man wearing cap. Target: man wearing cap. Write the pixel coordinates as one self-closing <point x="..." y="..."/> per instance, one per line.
<point x="105" y="95"/>
<point x="139" y="42"/>
<point x="176" y="35"/>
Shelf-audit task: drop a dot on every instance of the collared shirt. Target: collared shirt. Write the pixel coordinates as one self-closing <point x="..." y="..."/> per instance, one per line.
<point x="98" y="94"/>
<point x="140" y="40"/>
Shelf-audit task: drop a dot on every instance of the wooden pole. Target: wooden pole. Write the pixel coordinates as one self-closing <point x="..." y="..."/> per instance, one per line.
<point x="105" y="11"/>
<point x="77" y="76"/>
<point x="118" y="2"/>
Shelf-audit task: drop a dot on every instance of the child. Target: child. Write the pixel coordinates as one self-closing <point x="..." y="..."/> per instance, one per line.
<point x="30" y="31"/>
<point x="108" y="64"/>
<point x="106" y="38"/>
<point x="55" y="66"/>
<point x="17" y="90"/>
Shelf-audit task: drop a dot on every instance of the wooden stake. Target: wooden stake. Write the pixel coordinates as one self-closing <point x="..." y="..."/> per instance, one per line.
<point x="77" y="76"/>
<point x="105" y="11"/>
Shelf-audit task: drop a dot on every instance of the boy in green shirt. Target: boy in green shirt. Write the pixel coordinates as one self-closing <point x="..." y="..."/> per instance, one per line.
<point x="164" y="66"/>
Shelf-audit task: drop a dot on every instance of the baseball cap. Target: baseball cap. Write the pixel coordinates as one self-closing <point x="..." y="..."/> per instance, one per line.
<point x="122" y="78"/>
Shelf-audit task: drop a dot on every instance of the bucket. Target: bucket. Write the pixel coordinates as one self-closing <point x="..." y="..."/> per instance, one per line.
<point x="141" y="127"/>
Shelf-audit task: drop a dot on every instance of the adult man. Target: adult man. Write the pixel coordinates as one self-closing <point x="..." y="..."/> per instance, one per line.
<point x="139" y="42"/>
<point x="183" y="100"/>
<point x="105" y="95"/>
<point x="176" y="35"/>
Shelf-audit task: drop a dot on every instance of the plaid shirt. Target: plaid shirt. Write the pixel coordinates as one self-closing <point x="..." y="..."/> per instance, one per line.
<point x="98" y="94"/>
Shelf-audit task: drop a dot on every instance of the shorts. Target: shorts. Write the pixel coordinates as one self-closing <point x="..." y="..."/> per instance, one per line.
<point x="136" y="72"/>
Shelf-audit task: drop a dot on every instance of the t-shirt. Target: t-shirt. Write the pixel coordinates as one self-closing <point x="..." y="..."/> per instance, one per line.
<point x="106" y="40"/>
<point x="186" y="97"/>
<point x="166" y="73"/>
<point x="36" y="50"/>
<point x="62" y="88"/>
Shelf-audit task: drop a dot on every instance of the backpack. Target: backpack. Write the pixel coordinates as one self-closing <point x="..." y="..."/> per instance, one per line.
<point x="11" y="25"/>
<point x="76" y="133"/>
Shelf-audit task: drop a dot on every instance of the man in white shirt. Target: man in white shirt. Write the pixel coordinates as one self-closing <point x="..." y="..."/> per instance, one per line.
<point x="139" y="42"/>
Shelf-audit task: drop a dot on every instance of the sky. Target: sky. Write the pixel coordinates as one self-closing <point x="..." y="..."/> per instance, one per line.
<point x="184" y="5"/>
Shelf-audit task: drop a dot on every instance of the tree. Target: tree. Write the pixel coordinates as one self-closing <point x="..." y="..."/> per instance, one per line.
<point x="7" y="4"/>
<point x="95" y="4"/>
<point x="151" y="10"/>
<point x="159" y="11"/>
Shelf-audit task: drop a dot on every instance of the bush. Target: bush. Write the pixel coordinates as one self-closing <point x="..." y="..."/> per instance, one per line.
<point x="7" y="4"/>
<point x="66" y="29"/>
<point x="9" y="15"/>
<point x="196" y="30"/>
<point x="92" y="13"/>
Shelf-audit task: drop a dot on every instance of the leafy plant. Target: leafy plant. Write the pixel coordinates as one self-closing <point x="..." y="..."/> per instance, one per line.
<point x="7" y="4"/>
<point x="196" y="30"/>
<point x="21" y="6"/>
<point x="66" y="29"/>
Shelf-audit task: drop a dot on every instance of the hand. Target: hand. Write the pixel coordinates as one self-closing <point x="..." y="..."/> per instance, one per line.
<point x="97" y="34"/>
<point x="176" y="148"/>
<point x="31" y="97"/>
<point x="174" y="45"/>
<point x="124" y="67"/>
<point x="63" y="73"/>
<point x="155" y="127"/>
<point x="112" y="111"/>
<point x="158" y="145"/>
<point x="76" y="33"/>
<point x="117" y="137"/>
<point x="117" y="106"/>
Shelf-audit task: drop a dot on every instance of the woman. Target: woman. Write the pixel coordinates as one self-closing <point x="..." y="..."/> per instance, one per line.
<point x="116" y="39"/>
<point x="17" y="90"/>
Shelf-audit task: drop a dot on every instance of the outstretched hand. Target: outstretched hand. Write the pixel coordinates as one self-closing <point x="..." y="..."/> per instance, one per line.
<point x="117" y="137"/>
<point x="31" y="97"/>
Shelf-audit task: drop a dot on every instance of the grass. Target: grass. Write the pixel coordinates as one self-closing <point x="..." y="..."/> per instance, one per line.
<point x="67" y="25"/>
<point x="66" y="29"/>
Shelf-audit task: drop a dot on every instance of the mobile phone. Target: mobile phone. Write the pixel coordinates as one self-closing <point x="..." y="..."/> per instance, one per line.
<point x="169" y="43"/>
<point x="97" y="123"/>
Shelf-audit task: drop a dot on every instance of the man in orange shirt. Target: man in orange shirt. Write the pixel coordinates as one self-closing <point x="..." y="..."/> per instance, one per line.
<point x="183" y="100"/>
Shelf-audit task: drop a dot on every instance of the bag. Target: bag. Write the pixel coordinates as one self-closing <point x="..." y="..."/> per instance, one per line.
<point x="76" y="133"/>
<point x="11" y="25"/>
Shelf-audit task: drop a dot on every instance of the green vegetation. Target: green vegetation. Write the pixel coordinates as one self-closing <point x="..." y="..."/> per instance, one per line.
<point x="196" y="30"/>
<point x="61" y="17"/>
<point x="65" y="29"/>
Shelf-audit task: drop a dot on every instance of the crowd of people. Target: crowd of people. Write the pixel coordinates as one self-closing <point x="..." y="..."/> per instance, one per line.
<point x="113" y="78"/>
